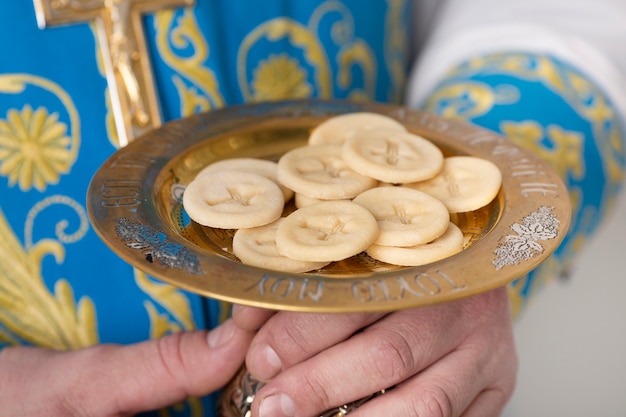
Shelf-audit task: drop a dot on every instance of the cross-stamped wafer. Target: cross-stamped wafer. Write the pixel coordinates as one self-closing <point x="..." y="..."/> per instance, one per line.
<point x="319" y="171"/>
<point x="465" y="183"/>
<point x="257" y="247"/>
<point x="448" y="244"/>
<point x="233" y="200"/>
<point x="339" y="128"/>
<point x="406" y="217"/>
<point x="326" y="232"/>
<point x="392" y="156"/>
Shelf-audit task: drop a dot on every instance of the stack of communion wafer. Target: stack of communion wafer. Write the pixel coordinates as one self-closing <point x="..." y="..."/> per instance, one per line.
<point x="363" y="183"/>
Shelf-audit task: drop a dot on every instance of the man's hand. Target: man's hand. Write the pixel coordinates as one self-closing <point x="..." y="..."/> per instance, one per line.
<point x="452" y="359"/>
<point x="112" y="380"/>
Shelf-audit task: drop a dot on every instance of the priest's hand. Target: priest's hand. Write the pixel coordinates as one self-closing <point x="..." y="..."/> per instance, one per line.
<point x="112" y="380"/>
<point x="452" y="359"/>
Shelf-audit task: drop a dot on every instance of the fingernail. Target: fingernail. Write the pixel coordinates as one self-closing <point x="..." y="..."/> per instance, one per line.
<point x="278" y="405"/>
<point x="221" y="334"/>
<point x="266" y="363"/>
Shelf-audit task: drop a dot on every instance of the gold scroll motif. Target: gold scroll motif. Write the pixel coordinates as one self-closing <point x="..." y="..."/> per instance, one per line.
<point x="123" y="45"/>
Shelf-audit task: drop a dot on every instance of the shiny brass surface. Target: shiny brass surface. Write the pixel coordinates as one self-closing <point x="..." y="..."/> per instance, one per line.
<point x="125" y="55"/>
<point x="134" y="202"/>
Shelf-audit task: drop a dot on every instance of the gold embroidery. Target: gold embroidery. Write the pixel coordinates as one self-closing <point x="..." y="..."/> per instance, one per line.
<point x="299" y="36"/>
<point x="564" y="150"/>
<point x="357" y="53"/>
<point x="34" y="148"/>
<point x="579" y="93"/>
<point x="396" y="48"/>
<point x="29" y="310"/>
<point x="352" y="52"/>
<point x="343" y="30"/>
<point x="470" y="99"/>
<point x="172" y="299"/>
<point x="280" y="77"/>
<point x="185" y="33"/>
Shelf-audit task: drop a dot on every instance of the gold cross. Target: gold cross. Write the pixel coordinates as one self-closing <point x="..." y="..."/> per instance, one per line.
<point x="123" y="44"/>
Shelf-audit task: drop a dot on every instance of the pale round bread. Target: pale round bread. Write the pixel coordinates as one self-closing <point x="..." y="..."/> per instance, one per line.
<point x="319" y="171"/>
<point x="338" y="128"/>
<point x="233" y="200"/>
<point x="257" y="247"/>
<point x="465" y="183"/>
<point x="392" y="156"/>
<point x="263" y="167"/>
<point x="406" y="217"/>
<point x="327" y="231"/>
<point x="302" y="200"/>
<point x="450" y="243"/>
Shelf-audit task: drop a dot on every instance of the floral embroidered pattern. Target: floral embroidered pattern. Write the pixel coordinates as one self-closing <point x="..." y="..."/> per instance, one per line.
<point x="32" y="313"/>
<point x="156" y="247"/>
<point x="537" y="226"/>
<point x="34" y="148"/>
<point x="280" y="77"/>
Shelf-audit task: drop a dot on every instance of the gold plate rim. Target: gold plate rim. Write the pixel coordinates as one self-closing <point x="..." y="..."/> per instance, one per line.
<point x="126" y="199"/>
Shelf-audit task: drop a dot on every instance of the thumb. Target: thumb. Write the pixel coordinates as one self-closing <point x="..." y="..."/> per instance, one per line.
<point x="115" y="380"/>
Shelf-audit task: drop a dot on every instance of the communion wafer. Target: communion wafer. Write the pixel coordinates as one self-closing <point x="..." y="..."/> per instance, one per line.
<point x="327" y="231"/>
<point x="406" y="217"/>
<point x="233" y="200"/>
<point x="392" y="156"/>
<point x="338" y="128"/>
<point x="450" y="243"/>
<point x="262" y="167"/>
<point x="257" y="247"/>
<point x="319" y="171"/>
<point x="301" y="200"/>
<point x="465" y="183"/>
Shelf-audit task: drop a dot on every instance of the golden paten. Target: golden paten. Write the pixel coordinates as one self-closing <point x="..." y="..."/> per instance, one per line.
<point x="125" y="55"/>
<point x="134" y="202"/>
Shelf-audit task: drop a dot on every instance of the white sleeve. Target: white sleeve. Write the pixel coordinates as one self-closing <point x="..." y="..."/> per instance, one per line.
<point x="591" y="35"/>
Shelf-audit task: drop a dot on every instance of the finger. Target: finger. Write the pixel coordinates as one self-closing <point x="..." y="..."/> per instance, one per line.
<point x="170" y="369"/>
<point x="289" y="338"/>
<point x="381" y="356"/>
<point x="475" y="380"/>
<point x="390" y="351"/>
<point x="135" y="378"/>
<point x="490" y="403"/>
<point x="250" y="318"/>
<point x="452" y="387"/>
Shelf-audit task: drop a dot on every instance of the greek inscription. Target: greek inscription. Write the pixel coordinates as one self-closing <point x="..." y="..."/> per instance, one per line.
<point x="477" y="138"/>
<point x="505" y="150"/>
<point x="419" y="286"/>
<point x="543" y="188"/>
<point x="525" y="168"/>
<point x="427" y="284"/>
<point x="282" y="287"/>
<point x="525" y="171"/>
<point x="121" y="193"/>
<point x="528" y="173"/>
<point x="305" y="292"/>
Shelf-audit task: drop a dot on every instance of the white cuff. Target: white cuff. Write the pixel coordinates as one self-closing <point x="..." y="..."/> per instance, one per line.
<point x="449" y="48"/>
